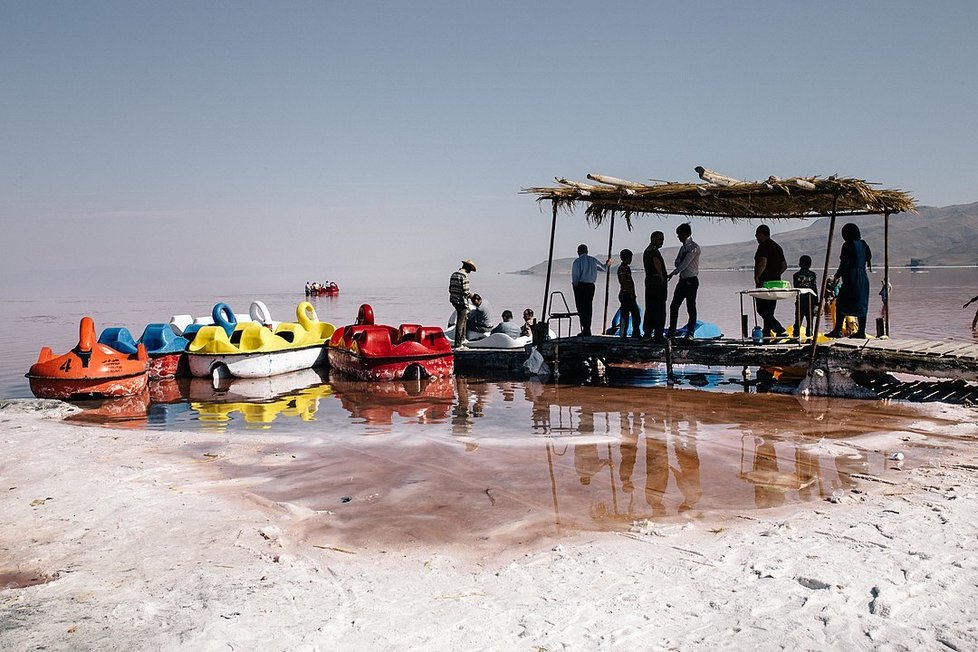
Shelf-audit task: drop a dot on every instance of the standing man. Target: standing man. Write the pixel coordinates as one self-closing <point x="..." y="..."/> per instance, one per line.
<point x="656" y="289"/>
<point x="688" y="269"/>
<point x="458" y="294"/>
<point x="769" y="264"/>
<point x="628" y="312"/>
<point x="584" y="274"/>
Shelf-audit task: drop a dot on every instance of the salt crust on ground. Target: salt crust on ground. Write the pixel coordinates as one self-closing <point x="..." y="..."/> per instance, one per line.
<point x="148" y="553"/>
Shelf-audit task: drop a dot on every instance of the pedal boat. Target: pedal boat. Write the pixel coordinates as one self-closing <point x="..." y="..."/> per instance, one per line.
<point x="255" y="350"/>
<point x="166" y="349"/>
<point x="370" y="351"/>
<point x="329" y="289"/>
<point x="188" y="325"/>
<point x="90" y="370"/>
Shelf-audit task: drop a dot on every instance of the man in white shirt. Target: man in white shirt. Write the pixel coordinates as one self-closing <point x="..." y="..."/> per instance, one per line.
<point x="688" y="269"/>
<point x="584" y="274"/>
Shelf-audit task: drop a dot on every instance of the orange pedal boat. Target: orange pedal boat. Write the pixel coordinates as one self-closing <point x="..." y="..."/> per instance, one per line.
<point x="89" y="370"/>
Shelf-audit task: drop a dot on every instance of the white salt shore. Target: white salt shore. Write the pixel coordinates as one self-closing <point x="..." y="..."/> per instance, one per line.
<point x="138" y="549"/>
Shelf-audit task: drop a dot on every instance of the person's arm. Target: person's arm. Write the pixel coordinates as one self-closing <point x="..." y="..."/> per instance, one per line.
<point x="970" y="302"/>
<point x="601" y="266"/>
<point x="685" y="262"/>
<point x="844" y="257"/>
<point x="869" y="257"/>
<point x="760" y="264"/>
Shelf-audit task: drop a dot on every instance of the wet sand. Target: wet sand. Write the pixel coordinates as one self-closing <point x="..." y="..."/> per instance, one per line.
<point x="128" y="539"/>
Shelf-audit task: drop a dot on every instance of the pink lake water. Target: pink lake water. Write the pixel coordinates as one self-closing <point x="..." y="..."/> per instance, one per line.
<point x="474" y="459"/>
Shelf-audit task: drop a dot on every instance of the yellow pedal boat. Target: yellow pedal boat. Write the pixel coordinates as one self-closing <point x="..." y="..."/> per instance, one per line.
<point x="254" y="350"/>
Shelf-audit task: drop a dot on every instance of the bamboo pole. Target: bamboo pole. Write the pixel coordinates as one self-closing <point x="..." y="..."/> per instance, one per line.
<point x="825" y="282"/>
<point x="607" y="277"/>
<point x="886" y="272"/>
<point x="550" y="264"/>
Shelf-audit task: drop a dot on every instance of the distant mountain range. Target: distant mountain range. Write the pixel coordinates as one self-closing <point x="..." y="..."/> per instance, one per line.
<point x="936" y="236"/>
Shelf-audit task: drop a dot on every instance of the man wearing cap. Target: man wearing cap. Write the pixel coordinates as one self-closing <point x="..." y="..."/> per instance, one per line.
<point x="458" y="294"/>
<point x="584" y="273"/>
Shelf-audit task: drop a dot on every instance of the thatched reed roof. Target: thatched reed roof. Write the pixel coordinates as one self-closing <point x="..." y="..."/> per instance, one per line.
<point x="721" y="197"/>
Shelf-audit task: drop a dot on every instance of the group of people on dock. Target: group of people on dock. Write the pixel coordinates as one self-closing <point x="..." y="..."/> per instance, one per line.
<point x="473" y="314"/>
<point x="849" y="286"/>
<point x="847" y="293"/>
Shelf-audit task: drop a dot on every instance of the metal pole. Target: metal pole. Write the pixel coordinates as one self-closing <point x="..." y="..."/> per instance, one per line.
<point x="886" y="271"/>
<point x="550" y="264"/>
<point x="825" y="283"/>
<point x="607" y="277"/>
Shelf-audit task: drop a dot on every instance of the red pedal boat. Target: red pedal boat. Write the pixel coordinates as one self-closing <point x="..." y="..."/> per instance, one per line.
<point x="90" y="370"/>
<point x="371" y="351"/>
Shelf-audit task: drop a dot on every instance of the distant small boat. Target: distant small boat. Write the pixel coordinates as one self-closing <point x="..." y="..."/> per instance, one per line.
<point x="371" y="351"/>
<point x="90" y="370"/>
<point x="329" y="289"/>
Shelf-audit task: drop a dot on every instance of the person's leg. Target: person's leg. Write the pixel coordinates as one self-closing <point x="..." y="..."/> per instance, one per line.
<point x="678" y="296"/>
<point x="693" y="285"/>
<point x="657" y="308"/>
<point x="624" y="314"/>
<point x="861" y="333"/>
<point x="765" y="308"/>
<point x="974" y="322"/>
<point x="588" y="292"/>
<point x="461" y="318"/>
<point x="648" y="324"/>
<point x="636" y="317"/>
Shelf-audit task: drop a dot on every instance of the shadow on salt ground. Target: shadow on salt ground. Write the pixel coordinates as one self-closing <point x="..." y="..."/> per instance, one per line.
<point x="508" y="464"/>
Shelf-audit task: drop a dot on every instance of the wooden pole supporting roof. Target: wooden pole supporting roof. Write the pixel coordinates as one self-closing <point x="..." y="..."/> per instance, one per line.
<point x="722" y="197"/>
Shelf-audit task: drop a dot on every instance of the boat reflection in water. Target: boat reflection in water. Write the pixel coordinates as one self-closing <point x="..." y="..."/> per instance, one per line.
<point x="259" y="401"/>
<point x="122" y="412"/>
<point x="423" y="400"/>
<point x="507" y="462"/>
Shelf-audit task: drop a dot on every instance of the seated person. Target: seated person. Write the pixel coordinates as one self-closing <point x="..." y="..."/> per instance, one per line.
<point x="529" y="321"/>
<point x="479" y="320"/>
<point x="507" y="326"/>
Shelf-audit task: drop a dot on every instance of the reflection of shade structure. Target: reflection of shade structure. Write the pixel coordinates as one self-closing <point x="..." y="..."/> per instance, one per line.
<point x="260" y="401"/>
<point x="376" y="402"/>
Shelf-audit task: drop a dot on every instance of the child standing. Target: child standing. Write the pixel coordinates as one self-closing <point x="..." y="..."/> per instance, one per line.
<point x="805" y="278"/>
<point x="626" y="296"/>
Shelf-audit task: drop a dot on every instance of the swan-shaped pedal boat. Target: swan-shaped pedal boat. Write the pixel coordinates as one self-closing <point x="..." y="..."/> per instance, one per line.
<point x="90" y="370"/>
<point x="255" y="350"/>
<point x="370" y="351"/>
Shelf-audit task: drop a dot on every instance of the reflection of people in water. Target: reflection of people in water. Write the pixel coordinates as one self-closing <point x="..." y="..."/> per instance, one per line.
<point x="807" y="468"/>
<point x="587" y="462"/>
<point x="766" y="492"/>
<point x="688" y="474"/>
<point x="656" y="466"/>
<point x="629" y="450"/>
<point x="461" y="411"/>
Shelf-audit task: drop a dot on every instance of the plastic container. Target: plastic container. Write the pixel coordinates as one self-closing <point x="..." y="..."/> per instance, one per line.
<point x="757" y="335"/>
<point x="777" y="285"/>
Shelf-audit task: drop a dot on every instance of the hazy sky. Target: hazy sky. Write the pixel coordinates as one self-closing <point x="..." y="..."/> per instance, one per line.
<point x="268" y="143"/>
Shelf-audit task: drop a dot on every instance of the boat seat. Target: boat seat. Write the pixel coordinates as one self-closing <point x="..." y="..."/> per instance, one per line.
<point x="409" y="333"/>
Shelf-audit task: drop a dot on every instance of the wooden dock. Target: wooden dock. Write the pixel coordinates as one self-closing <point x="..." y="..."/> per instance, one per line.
<point x="931" y="358"/>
